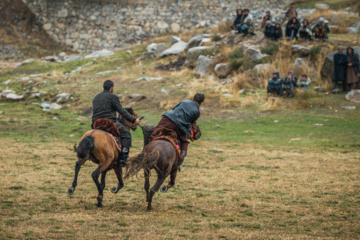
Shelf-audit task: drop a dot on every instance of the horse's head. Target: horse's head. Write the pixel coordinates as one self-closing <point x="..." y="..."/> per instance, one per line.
<point x="195" y="132"/>
<point x="128" y="125"/>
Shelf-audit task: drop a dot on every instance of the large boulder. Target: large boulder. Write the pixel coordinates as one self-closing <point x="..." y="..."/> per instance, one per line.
<point x="14" y="97"/>
<point x="6" y="92"/>
<point x="175" y="49"/>
<point x="175" y="40"/>
<point x="101" y="53"/>
<point x="203" y="66"/>
<point x="30" y="60"/>
<point x="175" y="28"/>
<point x="195" y="41"/>
<point x="301" y="50"/>
<point x="222" y="70"/>
<point x="62" y="98"/>
<point x="254" y="54"/>
<point x="262" y="67"/>
<point x="353" y="96"/>
<point x="193" y="55"/>
<point x="327" y="69"/>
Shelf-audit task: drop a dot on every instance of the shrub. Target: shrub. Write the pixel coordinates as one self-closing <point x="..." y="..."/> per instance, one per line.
<point x="314" y="51"/>
<point x="208" y="52"/>
<point x="215" y="38"/>
<point x="271" y="49"/>
<point x="225" y="27"/>
<point x="237" y="60"/>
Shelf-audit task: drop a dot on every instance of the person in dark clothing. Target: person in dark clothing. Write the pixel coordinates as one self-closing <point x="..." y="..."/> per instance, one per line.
<point x="268" y="29"/>
<point x="266" y="18"/>
<point x="238" y="18"/>
<point x="276" y="32"/>
<point x="305" y="30"/>
<point x="292" y="28"/>
<point x="275" y="85"/>
<point x="340" y="62"/>
<point x="105" y="105"/>
<point x="291" y="13"/>
<point x="180" y="119"/>
<point x="352" y="69"/>
<point x="321" y="29"/>
<point x="289" y="84"/>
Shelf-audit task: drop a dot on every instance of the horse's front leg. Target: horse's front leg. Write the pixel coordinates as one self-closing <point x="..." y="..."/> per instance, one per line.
<point x="147" y="183"/>
<point x="74" y="184"/>
<point x="118" y="172"/>
<point x="95" y="175"/>
<point x="160" y="180"/>
<point x="103" y="176"/>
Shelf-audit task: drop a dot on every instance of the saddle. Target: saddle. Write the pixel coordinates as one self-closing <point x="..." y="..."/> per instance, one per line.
<point x="170" y="136"/>
<point x="110" y="128"/>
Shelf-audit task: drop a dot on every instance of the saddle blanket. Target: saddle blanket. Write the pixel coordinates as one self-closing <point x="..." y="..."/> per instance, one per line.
<point x="177" y="148"/>
<point x="116" y="141"/>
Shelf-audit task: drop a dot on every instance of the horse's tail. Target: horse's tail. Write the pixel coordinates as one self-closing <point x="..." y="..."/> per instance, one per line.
<point x="141" y="161"/>
<point x="85" y="147"/>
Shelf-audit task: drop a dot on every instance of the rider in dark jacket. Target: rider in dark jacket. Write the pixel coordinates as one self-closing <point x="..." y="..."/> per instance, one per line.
<point x="105" y="105"/>
<point x="180" y="119"/>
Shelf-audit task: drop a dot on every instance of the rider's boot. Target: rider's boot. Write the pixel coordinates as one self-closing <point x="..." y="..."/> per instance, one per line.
<point x="182" y="155"/>
<point x="123" y="156"/>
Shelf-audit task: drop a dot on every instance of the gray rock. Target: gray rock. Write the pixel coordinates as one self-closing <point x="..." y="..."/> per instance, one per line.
<point x="353" y="96"/>
<point x="62" y="98"/>
<point x="319" y="89"/>
<point x="136" y="97"/>
<point x="164" y="91"/>
<point x="101" y="53"/>
<point x="322" y="6"/>
<point x="227" y="95"/>
<point x="205" y="41"/>
<point x="62" y="56"/>
<point x="55" y="106"/>
<point x="298" y="49"/>
<point x="175" y="28"/>
<point x="148" y="79"/>
<point x="195" y="41"/>
<point x="327" y="69"/>
<point x="349" y="107"/>
<point x="129" y="52"/>
<point x="193" y="55"/>
<point x="254" y="54"/>
<point x="6" y="92"/>
<point x="299" y="62"/>
<point x="175" y="49"/>
<point x="175" y="40"/>
<point x="7" y="82"/>
<point x="30" y="60"/>
<point x="38" y="94"/>
<point x="262" y="67"/>
<point x="63" y="13"/>
<point x="354" y="30"/>
<point x="162" y="25"/>
<point x="222" y="70"/>
<point x="74" y="58"/>
<point x="14" y="97"/>
<point x="203" y="66"/>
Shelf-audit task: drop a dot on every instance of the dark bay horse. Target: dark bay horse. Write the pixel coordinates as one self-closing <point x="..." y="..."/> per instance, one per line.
<point x="160" y="155"/>
<point x="99" y="147"/>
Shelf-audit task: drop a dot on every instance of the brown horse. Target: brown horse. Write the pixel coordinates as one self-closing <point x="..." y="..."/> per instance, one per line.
<point x="160" y="155"/>
<point x="99" y="147"/>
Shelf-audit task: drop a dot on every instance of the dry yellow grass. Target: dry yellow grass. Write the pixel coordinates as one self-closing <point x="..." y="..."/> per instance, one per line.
<point x="228" y="190"/>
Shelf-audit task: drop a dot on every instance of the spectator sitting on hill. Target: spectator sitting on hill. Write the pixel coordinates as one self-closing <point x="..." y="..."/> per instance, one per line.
<point x="305" y="30"/>
<point x="275" y="85"/>
<point x="340" y="62"/>
<point x="238" y="18"/>
<point x="292" y="28"/>
<point x="266" y="18"/>
<point x="321" y="29"/>
<point x="247" y="23"/>
<point x="276" y="32"/>
<point x="304" y="82"/>
<point x="289" y="84"/>
<point x="352" y="69"/>
<point x="291" y="13"/>
<point x="268" y="29"/>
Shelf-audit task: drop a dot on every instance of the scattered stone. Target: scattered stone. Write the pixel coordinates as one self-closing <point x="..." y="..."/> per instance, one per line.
<point x="62" y="98"/>
<point x="299" y="62"/>
<point x="262" y="67"/>
<point x="136" y="97"/>
<point x="195" y="41"/>
<point x="193" y="54"/>
<point x="349" y="107"/>
<point x="109" y="72"/>
<point x="129" y="51"/>
<point x="7" y="82"/>
<point x="254" y="54"/>
<point x="353" y="96"/>
<point x="203" y="66"/>
<point x="227" y="95"/>
<point x="319" y="89"/>
<point x="14" y="97"/>
<point x="175" y="28"/>
<point x="222" y="70"/>
<point x="175" y="49"/>
<point x="164" y="91"/>
<point x="81" y="67"/>
<point x="6" y="92"/>
<point x="55" y="118"/>
<point x="1" y="112"/>
<point x="62" y="56"/>
<point x="218" y="126"/>
<point x="74" y="58"/>
<point x="38" y="94"/>
<point x="71" y="135"/>
<point x="148" y="79"/>
<point x="301" y="50"/>
<point x="55" y="106"/>
<point x="101" y="53"/>
<point x="322" y="6"/>
<point x="30" y="60"/>
<point x="175" y="40"/>
<point x="162" y="25"/>
<point x="205" y="42"/>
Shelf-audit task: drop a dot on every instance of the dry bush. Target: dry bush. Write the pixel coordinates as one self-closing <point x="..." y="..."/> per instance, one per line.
<point x="248" y="101"/>
<point x="272" y="104"/>
<point x="225" y="27"/>
<point x="302" y="98"/>
<point x="326" y="13"/>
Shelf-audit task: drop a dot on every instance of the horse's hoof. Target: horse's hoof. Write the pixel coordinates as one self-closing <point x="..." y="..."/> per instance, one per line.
<point x="99" y="198"/>
<point x="149" y="208"/>
<point x="71" y="191"/>
<point x="114" y="190"/>
<point x="99" y="205"/>
<point x="163" y="189"/>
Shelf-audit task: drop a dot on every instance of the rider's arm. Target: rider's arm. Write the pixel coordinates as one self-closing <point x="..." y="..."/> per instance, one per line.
<point x="118" y="107"/>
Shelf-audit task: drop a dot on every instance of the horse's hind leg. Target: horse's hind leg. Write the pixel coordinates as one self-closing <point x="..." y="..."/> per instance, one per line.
<point x="172" y="178"/>
<point x="160" y="180"/>
<point x="103" y="176"/>
<point x="147" y="183"/>
<point x="118" y="172"/>
<point x="95" y="175"/>
<point x="74" y="184"/>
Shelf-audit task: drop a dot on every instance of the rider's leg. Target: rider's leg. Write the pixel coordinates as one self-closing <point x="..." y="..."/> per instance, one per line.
<point x="125" y="136"/>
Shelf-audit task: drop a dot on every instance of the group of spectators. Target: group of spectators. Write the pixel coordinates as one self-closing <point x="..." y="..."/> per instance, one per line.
<point x="244" y="23"/>
<point x="346" y="69"/>
<point x="285" y="87"/>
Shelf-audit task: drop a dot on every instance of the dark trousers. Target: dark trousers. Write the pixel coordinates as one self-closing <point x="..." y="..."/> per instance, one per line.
<point x="125" y="135"/>
<point x="167" y="123"/>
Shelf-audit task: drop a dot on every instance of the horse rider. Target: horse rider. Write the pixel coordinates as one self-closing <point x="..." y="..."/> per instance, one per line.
<point x="180" y="119"/>
<point x="105" y="105"/>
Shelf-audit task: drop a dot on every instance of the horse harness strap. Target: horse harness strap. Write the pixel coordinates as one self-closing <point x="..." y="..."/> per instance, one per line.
<point x="172" y="142"/>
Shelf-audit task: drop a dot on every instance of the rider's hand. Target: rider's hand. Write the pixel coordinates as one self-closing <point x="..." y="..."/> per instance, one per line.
<point x="137" y="122"/>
